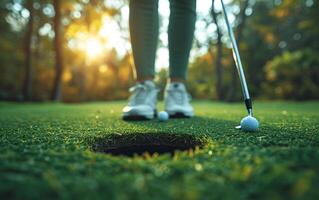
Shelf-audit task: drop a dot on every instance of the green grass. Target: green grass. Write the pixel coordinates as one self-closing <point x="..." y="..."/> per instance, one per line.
<point x="45" y="153"/>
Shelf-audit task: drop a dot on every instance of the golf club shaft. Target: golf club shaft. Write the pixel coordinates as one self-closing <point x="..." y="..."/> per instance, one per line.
<point x="238" y="63"/>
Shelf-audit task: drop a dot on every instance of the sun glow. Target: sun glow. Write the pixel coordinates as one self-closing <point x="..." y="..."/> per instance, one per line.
<point x="94" y="47"/>
<point x="103" y="68"/>
<point x="110" y="30"/>
<point x="95" y="44"/>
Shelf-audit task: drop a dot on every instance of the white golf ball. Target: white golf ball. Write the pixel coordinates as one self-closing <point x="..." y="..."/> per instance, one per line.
<point x="249" y="124"/>
<point x="163" y="116"/>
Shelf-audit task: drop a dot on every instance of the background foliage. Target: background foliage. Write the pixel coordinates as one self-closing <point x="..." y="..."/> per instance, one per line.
<point x="278" y="41"/>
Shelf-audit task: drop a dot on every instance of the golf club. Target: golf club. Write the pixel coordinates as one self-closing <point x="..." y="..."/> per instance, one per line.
<point x="239" y="66"/>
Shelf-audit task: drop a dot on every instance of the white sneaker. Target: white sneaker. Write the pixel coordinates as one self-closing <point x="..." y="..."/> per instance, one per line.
<point x="142" y="102"/>
<point x="177" y="100"/>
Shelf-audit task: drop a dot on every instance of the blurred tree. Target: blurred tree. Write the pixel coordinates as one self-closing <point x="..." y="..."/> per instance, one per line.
<point x="11" y="57"/>
<point x="274" y="27"/>
<point x="27" y="84"/>
<point x="299" y="29"/>
<point x="201" y="83"/>
<point x="270" y="30"/>
<point x="293" y="75"/>
<point x="218" y="63"/>
<point x="57" y="85"/>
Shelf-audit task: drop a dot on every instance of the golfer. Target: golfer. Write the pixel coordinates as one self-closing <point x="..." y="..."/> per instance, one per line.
<point x="143" y="21"/>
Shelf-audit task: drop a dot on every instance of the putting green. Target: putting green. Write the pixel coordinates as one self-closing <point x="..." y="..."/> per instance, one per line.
<point x="46" y="151"/>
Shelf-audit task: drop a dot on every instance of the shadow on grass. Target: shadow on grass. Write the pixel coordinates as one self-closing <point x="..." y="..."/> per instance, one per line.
<point x="184" y="134"/>
<point x="223" y="132"/>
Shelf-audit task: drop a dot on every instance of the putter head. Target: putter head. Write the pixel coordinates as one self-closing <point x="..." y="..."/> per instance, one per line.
<point x="238" y="127"/>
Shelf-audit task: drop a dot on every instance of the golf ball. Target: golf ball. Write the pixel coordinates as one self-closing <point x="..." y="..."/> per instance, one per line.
<point x="249" y="124"/>
<point x="163" y="116"/>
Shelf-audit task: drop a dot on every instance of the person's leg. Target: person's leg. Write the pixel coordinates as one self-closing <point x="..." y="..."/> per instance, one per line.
<point x="143" y="20"/>
<point x="144" y="35"/>
<point x="180" y="37"/>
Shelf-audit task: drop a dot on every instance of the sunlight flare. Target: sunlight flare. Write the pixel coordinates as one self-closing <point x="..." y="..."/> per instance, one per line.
<point x="94" y="47"/>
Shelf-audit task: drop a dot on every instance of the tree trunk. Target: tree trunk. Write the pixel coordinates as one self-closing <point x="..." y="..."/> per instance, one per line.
<point x="219" y="67"/>
<point x="231" y="96"/>
<point x="27" y="83"/>
<point x="82" y="81"/>
<point x="57" y="85"/>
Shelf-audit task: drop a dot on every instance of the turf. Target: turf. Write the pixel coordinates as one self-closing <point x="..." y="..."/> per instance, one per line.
<point x="46" y="152"/>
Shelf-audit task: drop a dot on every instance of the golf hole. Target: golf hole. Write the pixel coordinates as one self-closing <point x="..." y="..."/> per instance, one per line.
<point x="140" y="144"/>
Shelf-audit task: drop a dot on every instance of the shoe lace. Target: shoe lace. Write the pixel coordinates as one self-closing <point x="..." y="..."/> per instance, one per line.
<point x="138" y="95"/>
<point x="180" y="97"/>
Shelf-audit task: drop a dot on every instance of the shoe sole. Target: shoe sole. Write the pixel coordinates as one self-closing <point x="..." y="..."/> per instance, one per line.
<point x="135" y="118"/>
<point x="139" y="117"/>
<point x="179" y="115"/>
